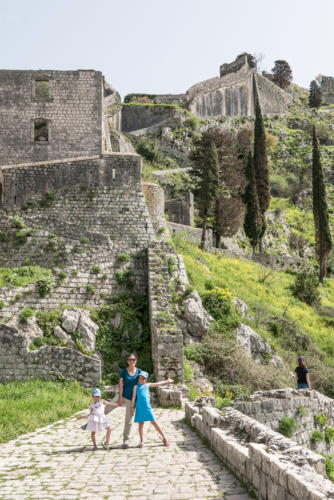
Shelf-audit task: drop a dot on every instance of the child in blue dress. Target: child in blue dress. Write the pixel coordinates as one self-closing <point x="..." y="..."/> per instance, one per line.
<point x="141" y="400"/>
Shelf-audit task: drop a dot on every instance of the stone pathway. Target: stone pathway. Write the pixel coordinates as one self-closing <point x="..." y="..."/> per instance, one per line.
<point x="58" y="461"/>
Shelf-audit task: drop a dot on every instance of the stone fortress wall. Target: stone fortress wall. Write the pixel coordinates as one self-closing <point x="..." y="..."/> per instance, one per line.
<point x="50" y="115"/>
<point x="17" y="362"/>
<point x="235" y="93"/>
<point x="269" y="407"/>
<point x="273" y="466"/>
<point x="327" y="89"/>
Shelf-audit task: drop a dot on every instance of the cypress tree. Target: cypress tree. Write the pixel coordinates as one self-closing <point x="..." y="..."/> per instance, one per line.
<point x="320" y="211"/>
<point x="315" y="96"/>
<point x="206" y="173"/>
<point x="253" y="222"/>
<point x="261" y="168"/>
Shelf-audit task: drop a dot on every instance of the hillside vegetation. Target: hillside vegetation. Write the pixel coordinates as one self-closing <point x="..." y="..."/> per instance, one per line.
<point x="290" y="326"/>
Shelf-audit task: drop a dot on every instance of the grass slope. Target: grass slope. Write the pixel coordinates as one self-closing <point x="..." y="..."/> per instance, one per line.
<point x="26" y="406"/>
<point x="290" y="326"/>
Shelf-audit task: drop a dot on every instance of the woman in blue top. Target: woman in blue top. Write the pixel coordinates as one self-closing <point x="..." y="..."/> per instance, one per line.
<point x="128" y="379"/>
<point x="141" y="399"/>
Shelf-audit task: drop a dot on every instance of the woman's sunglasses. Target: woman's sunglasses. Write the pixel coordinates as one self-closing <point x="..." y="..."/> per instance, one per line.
<point x="132" y="359"/>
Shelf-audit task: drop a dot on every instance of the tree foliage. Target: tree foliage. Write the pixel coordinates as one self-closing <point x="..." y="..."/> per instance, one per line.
<point x="261" y="167"/>
<point x="206" y="176"/>
<point x="253" y="222"/>
<point x="320" y="210"/>
<point x="282" y="73"/>
<point x="315" y="96"/>
<point x="251" y="59"/>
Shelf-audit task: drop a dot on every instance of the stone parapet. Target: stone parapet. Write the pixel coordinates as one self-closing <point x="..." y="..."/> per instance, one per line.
<point x="270" y="464"/>
<point x="269" y="407"/>
<point x="192" y="234"/>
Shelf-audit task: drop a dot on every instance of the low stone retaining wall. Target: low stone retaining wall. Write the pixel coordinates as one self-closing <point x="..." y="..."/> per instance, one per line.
<point x="269" y="407"/>
<point x="192" y="234"/>
<point x="270" y="464"/>
<point x="48" y="362"/>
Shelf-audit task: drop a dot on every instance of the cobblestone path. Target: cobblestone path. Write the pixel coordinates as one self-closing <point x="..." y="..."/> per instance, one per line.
<point x="57" y="461"/>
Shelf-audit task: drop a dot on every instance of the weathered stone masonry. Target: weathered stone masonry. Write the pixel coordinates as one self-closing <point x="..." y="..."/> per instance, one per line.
<point x="48" y="362"/>
<point x="71" y="106"/>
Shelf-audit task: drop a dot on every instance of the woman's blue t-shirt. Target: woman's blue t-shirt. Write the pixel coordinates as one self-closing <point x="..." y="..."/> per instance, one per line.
<point x="129" y="381"/>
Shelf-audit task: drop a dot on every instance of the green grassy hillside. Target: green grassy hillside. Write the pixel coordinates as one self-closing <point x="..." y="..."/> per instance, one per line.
<point x="290" y="326"/>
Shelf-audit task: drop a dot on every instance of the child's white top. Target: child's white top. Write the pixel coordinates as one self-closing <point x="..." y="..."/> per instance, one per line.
<point x="97" y="421"/>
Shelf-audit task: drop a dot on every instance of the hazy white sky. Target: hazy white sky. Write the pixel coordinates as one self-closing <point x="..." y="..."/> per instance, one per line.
<point x="165" y="46"/>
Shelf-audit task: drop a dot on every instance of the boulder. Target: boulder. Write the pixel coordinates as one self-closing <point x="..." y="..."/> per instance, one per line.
<point x="88" y="330"/>
<point x="241" y="306"/>
<point x="62" y="335"/>
<point x="70" y="319"/>
<point x="255" y="346"/>
<point x="198" y="320"/>
<point x="29" y="329"/>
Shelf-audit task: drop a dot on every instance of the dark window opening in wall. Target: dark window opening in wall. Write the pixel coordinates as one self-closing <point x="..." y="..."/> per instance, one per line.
<point x="41" y="130"/>
<point x="42" y="89"/>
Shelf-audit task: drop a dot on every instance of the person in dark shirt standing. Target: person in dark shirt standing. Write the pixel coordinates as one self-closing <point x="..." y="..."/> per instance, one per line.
<point x="302" y="376"/>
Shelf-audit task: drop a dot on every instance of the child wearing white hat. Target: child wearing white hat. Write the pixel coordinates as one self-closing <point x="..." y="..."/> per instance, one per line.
<point x="97" y="421"/>
<point x="141" y="401"/>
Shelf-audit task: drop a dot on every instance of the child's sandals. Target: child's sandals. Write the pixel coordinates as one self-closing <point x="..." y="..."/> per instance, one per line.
<point x="104" y="445"/>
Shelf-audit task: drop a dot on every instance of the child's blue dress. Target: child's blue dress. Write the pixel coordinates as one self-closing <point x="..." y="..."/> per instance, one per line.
<point x="143" y="408"/>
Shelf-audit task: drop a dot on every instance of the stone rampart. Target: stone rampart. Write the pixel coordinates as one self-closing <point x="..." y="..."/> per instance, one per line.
<point x="140" y="116"/>
<point x="67" y="106"/>
<point x="239" y="65"/>
<point x="269" y="407"/>
<point x="48" y="362"/>
<point x="170" y="99"/>
<point x="181" y="210"/>
<point x="327" y="89"/>
<point x="270" y="464"/>
<point x="192" y="234"/>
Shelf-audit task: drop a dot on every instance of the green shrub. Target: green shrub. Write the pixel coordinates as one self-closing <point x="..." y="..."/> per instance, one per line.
<point x="27" y="262"/>
<point x="62" y="275"/>
<point x="75" y="272"/>
<point x="16" y="222"/>
<point x="2" y="304"/>
<point x="47" y="200"/>
<point x="171" y="265"/>
<point x="90" y="289"/>
<point x="45" y="285"/>
<point x="302" y="411"/>
<point x="218" y="302"/>
<point x="187" y="370"/>
<point x="330" y="467"/>
<point x="25" y="314"/>
<point x="193" y="122"/>
<point x="287" y="426"/>
<point x="317" y="436"/>
<point x="306" y="288"/>
<point x="123" y="257"/>
<point x="222" y="402"/>
<point x="123" y="276"/>
<point x="320" y="419"/>
<point x="84" y="240"/>
<point x="194" y="393"/>
<point x="3" y="236"/>
<point x="96" y="270"/>
<point x="209" y="284"/>
<point x="329" y="434"/>
<point x="104" y="276"/>
<point x="47" y="321"/>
